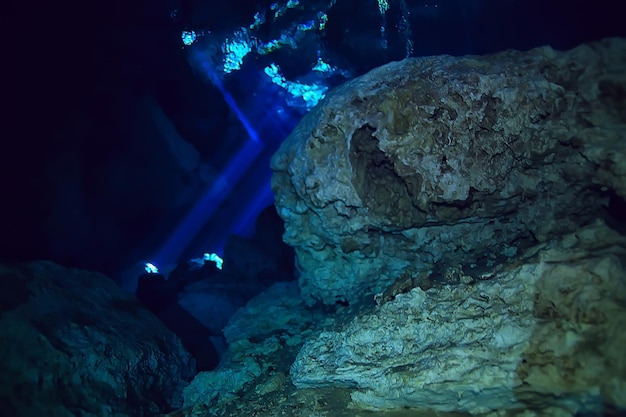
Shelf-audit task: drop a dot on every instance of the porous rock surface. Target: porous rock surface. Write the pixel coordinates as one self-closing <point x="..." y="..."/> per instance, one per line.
<point x="438" y="161"/>
<point x="73" y="343"/>
<point x="545" y="332"/>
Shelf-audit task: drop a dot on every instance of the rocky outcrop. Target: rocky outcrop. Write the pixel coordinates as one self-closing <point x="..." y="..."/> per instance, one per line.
<point x="73" y="343"/>
<point x="545" y="331"/>
<point x="540" y="336"/>
<point x="457" y="205"/>
<point x="428" y="163"/>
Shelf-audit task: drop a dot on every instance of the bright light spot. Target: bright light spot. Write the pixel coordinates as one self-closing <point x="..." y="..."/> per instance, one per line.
<point x="198" y="263"/>
<point x="308" y="25"/>
<point x="188" y="37"/>
<point x="259" y="19"/>
<point x="235" y="50"/>
<point x="266" y="48"/>
<point x="383" y="6"/>
<point x="280" y="10"/>
<point x="323" y="19"/>
<point x="214" y="257"/>
<point x="273" y="72"/>
<point x="310" y="93"/>
<point x="322" y="66"/>
<point x="151" y="268"/>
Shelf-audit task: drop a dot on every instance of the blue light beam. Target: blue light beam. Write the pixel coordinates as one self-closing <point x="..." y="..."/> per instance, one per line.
<point x="200" y="214"/>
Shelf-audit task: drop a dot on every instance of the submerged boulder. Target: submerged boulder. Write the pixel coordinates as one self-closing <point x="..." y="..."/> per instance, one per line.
<point x="428" y="163"/>
<point x="73" y="343"/>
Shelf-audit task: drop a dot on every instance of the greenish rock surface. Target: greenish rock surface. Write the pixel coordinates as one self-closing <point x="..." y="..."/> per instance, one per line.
<point x="73" y="343"/>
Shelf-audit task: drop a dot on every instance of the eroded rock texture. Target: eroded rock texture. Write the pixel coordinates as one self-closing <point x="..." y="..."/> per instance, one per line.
<point x="432" y="162"/>
<point x="73" y="343"/>
<point x="544" y="332"/>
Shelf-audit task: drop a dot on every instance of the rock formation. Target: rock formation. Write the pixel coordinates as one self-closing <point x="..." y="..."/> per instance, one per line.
<point x="541" y="336"/>
<point x="460" y="246"/>
<point x="428" y="163"/>
<point x="546" y="330"/>
<point x="73" y="343"/>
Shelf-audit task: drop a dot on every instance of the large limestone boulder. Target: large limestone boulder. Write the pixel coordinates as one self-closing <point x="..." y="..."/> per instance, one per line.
<point x="73" y="343"/>
<point x="428" y="163"/>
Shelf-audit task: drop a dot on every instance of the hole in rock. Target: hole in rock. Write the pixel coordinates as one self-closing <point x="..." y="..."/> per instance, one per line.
<point x="388" y="196"/>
